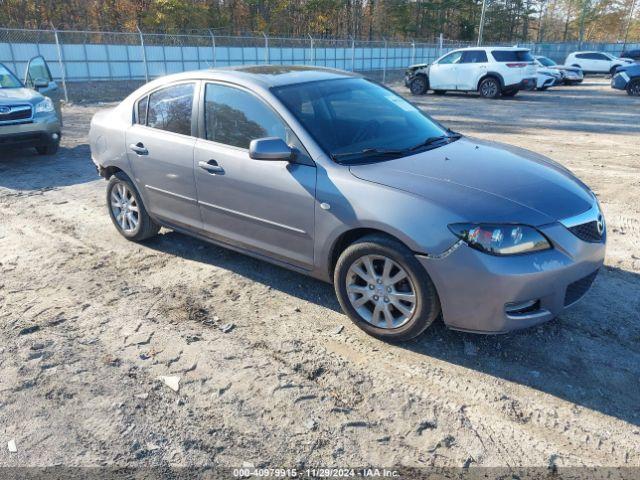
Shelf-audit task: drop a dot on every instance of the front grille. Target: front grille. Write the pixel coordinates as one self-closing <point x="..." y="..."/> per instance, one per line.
<point x="576" y="290"/>
<point x="15" y="113"/>
<point x="587" y="232"/>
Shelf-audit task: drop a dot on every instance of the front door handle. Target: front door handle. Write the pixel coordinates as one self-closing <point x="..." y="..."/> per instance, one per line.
<point x="212" y="167"/>
<point x="139" y="148"/>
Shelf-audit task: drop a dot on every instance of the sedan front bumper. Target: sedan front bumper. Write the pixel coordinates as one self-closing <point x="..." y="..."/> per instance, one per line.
<point x="478" y="292"/>
<point x="619" y="81"/>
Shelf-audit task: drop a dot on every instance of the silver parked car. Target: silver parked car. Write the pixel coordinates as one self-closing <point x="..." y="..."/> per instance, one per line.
<point x="332" y="175"/>
<point x="30" y="111"/>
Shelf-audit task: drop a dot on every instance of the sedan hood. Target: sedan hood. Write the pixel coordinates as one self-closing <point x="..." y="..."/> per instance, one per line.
<point x="13" y="95"/>
<point x="511" y="183"/>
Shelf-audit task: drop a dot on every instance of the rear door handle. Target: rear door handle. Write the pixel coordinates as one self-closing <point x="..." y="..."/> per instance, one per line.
<point x="212" y="167"/>
<point x="139" y="148"/>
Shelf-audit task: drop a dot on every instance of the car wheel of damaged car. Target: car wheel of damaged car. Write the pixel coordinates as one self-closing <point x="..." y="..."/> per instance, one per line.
<point x="489" y="88"/>
<point x="384" y="290"/>
<point x="633" y="88"/>
<point x="418" y="85"/>
<point x="127" y="211"/>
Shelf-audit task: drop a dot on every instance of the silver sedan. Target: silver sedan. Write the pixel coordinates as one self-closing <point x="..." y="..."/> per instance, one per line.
<point x="335" y="176"/>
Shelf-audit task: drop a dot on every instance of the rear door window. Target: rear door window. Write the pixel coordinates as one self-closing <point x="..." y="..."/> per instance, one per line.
<point x="474" y="56"/>
<point x="512" y="56"/>
<point x="170" y="109"/>
<point x="143" y="103"/>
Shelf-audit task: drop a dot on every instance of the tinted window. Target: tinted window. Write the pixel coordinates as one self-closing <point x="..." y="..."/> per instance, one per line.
<point x="142" y="110"/>
<point x="474" y="56"/>
<point x="451" y="58"/>
<point x="170" y="109"/>
<point x="350" y="115"/>
<point x="512" y="56"/>
<point x="599" y="56"/>
<point x="582" y="55"/>
<point x="235" y="117"/>
<point x="7" y="79"/>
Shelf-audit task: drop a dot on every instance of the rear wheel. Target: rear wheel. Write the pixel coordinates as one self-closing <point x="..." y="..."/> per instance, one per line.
<point x="633" y="88"/>
<point x="489" y="88"/>
<point x="127" y="211"/>
<point x="384" y="290"/>
<point x="418" y="85"/>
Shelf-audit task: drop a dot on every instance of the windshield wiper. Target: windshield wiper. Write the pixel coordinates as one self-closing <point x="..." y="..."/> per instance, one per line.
<point x="374" y="152"/>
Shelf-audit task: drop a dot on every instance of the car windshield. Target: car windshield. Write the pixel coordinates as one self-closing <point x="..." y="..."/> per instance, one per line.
<point x="547" y="62"/>
<point x="355" y="120"/>
<point x="512" y="55"/>
<point x="8" y="79"/>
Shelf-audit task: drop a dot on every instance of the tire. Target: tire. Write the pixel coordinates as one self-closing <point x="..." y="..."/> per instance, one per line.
<point x="633" y="88"/>
<point x="439" y="92"/>
<point x="489" y="88"/>
<point x="50" y="149"/>
<point x="415" y="287"/>
<point x="510" y="93"/>
<point x="145" y="227"/>
<point x="419" y="85"/>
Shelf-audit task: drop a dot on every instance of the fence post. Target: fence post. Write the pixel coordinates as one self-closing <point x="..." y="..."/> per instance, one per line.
<point x="384" y="65"/>
<point x="413" y="51"/>
<point x="353" y="54"/>
<point x="266" y="47"/>
<point x="213" y="45"/>
<point x="313" y="52"/>
<point x="144" y="55"/>
<point x="60" y="63"/>
<point x="440" y="45"/>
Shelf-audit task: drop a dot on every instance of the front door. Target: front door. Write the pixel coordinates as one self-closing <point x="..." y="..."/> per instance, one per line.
<point x="471" y="67"/>
<point x="38" y="77"/>
<point x="442" y="74"/>
<point x="160" y="149"/>
<point x="263" y="206"/>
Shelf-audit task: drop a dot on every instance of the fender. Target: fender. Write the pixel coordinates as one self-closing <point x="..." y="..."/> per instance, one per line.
<point x="491" y="73"/>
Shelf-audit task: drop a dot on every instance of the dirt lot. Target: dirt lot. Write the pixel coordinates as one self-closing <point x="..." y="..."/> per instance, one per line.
<point x="90" y="322"/>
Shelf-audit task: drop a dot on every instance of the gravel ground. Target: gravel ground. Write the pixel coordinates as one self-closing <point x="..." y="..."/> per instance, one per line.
<point x="270" y="372"/>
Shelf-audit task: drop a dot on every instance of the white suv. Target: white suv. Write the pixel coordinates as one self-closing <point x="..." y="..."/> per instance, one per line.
<point x="596" y="62"/>
<point x="491" y="71"/>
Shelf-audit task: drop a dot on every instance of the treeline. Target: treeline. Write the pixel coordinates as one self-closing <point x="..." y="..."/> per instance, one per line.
<point x="506" y="20"/>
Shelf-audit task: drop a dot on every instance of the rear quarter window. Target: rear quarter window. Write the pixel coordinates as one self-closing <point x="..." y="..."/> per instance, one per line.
<point x="512" y="56"/>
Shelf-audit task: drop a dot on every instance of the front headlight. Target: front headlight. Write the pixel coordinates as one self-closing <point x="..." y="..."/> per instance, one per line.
<point x="45" y="106"/>
<point x="501" y="239"/>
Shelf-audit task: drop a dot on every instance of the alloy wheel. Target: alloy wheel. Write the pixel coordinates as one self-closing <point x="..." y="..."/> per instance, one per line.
<point x="489" y="88"/>
<point x="124" y="207"/>
<point x="381" y="291"/>
<point x="634" y="88"/>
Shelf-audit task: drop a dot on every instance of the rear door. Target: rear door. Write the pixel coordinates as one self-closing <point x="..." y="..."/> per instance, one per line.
<point x="442" y="74"/>
<point x="160" y="148"/>
<point x="472" y="66"/>
<point x="263" y="206"/>
<point x="38" y="77"/>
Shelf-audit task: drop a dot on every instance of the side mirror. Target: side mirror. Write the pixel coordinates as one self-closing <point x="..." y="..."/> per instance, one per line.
<point x="271" y="148"/>
<point x="39" y="83"/>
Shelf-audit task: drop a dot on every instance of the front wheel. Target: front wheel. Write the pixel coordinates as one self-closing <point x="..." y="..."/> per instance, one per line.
<point x="127" y="211"/>
<point x="418" y="85"/>
<point x="633" y="88"/>
<point x="489" y="88"/>
<point x="384" y="290"/>
<point x="50" y="149"/>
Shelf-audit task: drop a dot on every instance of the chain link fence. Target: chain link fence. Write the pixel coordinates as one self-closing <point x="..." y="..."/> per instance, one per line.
<point x="87" y="56"/>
